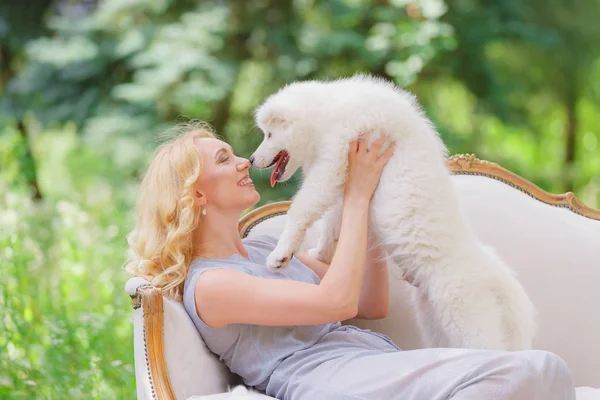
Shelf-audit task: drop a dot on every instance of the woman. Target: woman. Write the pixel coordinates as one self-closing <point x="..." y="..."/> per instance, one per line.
<point x="280" y="330"/>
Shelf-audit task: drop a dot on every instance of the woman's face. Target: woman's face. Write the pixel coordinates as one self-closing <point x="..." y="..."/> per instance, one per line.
<point x="224" y="181"/>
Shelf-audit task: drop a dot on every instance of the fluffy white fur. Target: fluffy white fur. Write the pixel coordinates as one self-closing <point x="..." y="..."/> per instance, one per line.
<point x="476" y="301"/>
<point x="239" y="392"/>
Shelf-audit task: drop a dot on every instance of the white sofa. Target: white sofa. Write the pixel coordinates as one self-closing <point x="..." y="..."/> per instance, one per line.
<point x="552" y="241"/>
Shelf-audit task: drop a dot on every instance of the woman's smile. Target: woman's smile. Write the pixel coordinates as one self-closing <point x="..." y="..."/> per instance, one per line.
<point x="245" y="181"/>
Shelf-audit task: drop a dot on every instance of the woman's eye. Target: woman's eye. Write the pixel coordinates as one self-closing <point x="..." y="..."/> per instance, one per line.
<point x="269" y="135"/>
<point x="224" y="159"/>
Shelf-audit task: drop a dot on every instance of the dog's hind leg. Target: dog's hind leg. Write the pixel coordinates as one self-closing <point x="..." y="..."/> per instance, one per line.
<point x="469" y="315"/>
<point x="330" y="233"/>
<point x="430" y="332"/>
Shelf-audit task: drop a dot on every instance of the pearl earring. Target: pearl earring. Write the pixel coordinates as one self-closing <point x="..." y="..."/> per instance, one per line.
<point x="203" y="210"/>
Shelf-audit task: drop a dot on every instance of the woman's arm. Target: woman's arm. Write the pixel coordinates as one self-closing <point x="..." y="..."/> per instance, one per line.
<point x="226" y="296"/>
<point x="375" y="294"/>
<point x="374" y="297"/>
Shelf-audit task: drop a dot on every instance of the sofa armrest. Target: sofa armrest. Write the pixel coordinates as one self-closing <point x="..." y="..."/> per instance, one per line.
<point x="150" y="299"/>
<point x="171" y="360"/>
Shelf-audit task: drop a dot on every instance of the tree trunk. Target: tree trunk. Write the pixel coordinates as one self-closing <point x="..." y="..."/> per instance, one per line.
<point x="28" y="163"/>
<point x="236" y="53"/>
<point x="29" y="167"/>
<point x="6" y="71"/>
<point x="221" y="114"/>
<point x="570" y="137"/>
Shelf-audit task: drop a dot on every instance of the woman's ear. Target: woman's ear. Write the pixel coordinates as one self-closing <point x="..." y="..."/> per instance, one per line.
<point x="200" y="198"/>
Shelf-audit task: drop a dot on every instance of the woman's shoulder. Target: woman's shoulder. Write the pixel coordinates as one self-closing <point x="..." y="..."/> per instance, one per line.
<point x="261" y="240"/>
<point x="258" y="243"/>
<point x="258" y="246"/>
<point x="200" y="265"/>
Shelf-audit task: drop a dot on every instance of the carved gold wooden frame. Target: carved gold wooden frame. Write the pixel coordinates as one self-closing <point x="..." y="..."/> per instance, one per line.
<point x="459" y="164"/>
<point x="469" y="164"/>
<point x="151" y="300"/>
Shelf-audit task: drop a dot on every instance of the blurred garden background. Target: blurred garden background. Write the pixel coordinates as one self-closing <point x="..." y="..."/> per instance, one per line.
<point x="87" y="86"/>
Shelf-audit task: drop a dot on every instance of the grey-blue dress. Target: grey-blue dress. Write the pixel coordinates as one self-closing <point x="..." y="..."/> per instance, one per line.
<point x="339" y="362"/>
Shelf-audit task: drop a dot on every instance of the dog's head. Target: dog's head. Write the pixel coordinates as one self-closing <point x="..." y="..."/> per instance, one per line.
<point x="287" y="142"/>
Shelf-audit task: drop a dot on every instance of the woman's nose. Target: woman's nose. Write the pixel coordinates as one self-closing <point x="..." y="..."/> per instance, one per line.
<point x="244" y="164"/>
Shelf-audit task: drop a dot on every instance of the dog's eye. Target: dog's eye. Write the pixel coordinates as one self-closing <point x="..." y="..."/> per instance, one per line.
<point x="268" y="135"/>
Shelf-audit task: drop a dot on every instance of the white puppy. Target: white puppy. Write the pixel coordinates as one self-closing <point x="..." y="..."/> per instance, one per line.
<point x="239" y="392"/>
<point x="476" y="301"/>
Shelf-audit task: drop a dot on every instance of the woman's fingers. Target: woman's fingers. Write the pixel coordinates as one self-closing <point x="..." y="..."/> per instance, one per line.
<point x="353" y="147"/>
<point x="363" y="141"/>
<point x="359" y="142"/>
<point x="360" y="145"/>
<point x="377" y="146"/>
<point x="366" y="165"/>
<point x="387" y="154"/>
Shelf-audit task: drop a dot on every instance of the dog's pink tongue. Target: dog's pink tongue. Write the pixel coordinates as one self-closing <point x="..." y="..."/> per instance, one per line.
<point x="276" y="171"/>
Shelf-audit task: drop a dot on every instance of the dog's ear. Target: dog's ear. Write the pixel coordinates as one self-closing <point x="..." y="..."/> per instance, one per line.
<point x="272" y="114"/>
<point x="274" y="119"/>
<point x="277" y="120"/>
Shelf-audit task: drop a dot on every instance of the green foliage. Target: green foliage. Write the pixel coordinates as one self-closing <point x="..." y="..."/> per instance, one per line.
<point x="66" y="326"/>
<point x="87" y="86"/>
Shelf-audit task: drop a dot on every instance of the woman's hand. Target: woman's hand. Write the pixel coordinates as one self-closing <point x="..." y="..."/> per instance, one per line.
<point x="365" y="166"/>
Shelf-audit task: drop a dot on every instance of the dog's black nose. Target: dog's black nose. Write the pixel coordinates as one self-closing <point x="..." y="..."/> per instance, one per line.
<point x="251" y="159"/>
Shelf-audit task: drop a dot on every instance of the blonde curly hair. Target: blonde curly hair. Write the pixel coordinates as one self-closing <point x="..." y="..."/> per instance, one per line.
<point x="162" y="243"/>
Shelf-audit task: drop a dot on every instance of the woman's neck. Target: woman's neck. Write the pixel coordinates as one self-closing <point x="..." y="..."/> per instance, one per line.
<point x="218" y="237"/>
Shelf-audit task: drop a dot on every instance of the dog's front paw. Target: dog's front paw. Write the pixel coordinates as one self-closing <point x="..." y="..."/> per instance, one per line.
<point x="325" y="255"/>
<point x="314" y="253"/>
<point x="279" y="259"/>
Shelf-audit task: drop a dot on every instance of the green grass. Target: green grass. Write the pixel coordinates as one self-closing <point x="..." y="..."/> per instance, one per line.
<point x="65" y="327"/>
<point x="66" y="319"/>
<point x="67" y="332"/>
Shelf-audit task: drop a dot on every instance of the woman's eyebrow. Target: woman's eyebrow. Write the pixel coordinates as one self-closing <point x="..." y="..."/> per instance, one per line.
<point x="225" y="149"/>
<point x="222" y="149"/>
